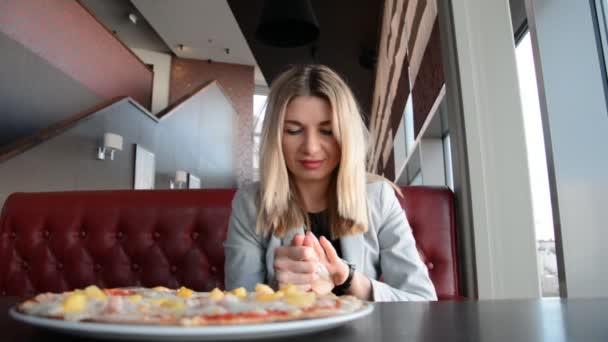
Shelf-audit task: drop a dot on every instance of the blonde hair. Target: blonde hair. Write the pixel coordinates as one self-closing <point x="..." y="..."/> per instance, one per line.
<point x="279" y="203"/>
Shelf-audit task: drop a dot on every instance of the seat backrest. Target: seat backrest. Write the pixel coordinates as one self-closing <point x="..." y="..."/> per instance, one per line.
<point x="57" y="241"/>
<point x="430" y="212"/>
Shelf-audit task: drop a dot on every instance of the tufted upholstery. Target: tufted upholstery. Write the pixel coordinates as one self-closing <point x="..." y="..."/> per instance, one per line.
<point x="57" y="241"/>
<point x="430" y="212"/>
<point x="62" y="240"/>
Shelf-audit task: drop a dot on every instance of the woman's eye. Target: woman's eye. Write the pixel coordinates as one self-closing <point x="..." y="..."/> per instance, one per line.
<point x="326" y="132"/>
<point x="293" y="131"/>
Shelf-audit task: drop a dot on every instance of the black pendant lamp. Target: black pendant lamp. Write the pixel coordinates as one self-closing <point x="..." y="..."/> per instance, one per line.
<point x="287" y="23"/>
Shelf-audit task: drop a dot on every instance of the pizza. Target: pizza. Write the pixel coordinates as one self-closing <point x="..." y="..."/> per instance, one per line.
<point x="185" y="307"/>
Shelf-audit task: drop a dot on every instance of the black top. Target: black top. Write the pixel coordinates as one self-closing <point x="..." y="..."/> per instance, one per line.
<point x="319" y="225"/>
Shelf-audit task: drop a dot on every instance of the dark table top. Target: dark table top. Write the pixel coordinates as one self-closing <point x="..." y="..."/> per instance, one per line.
<point x="505" y="320"/>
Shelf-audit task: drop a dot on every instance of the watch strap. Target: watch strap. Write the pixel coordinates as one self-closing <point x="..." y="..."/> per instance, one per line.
<point x="341" y="289"/>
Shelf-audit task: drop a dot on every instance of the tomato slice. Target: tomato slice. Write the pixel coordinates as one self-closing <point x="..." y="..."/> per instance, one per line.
<point x="119" y="292"/>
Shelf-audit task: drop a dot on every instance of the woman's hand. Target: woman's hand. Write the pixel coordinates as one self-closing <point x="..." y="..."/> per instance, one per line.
<point x="310" y="264"/>
<point x="360" y="287"/>
<point x="296" y="264"/>
<point x="328" y="257"/>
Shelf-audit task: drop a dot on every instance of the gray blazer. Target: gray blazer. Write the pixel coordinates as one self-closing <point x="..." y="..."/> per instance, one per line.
<point x="387" y="248"/>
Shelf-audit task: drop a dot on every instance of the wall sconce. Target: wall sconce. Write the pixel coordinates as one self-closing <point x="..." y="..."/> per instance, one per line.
<point x="181" y="178"/>
<point x="111" y="142"/>
<point x="133" y="18"/>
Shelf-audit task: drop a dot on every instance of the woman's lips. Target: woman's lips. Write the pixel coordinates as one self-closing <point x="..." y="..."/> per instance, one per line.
<point x="311" y="164"/>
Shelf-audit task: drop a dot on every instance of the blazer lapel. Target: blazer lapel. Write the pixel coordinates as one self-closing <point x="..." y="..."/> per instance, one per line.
<point x="353" y="250"/>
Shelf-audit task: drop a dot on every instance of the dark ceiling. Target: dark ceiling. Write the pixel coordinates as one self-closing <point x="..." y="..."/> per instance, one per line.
<point x="113" y="14"/>
<point x="348" y="28"/>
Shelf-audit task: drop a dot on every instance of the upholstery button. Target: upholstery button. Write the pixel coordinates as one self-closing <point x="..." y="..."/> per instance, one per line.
<point x="46" y="234"/>
<point x="135" y="267"/>
<point x="13" y="235"/>
<point x="213" y="269"/>
<point x="59" y="266"/>
<point x="3" y="293"/>
<point x="173" y="268"/>
<point x="119" y="235"/>
<point x="430" y="265"/>
<point x="97" y="267"/>
<point x="194" y="235"/>
<point x="25" y="265"/>
<point x="83" y="234"/>
<point x="156" y="235"/>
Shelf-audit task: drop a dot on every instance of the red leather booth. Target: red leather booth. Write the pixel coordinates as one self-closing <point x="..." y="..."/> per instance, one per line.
<point x="57" y="241"/>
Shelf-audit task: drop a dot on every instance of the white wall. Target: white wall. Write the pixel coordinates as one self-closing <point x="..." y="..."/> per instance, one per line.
<point x="162" y="77"/>
<point x="432" y="161"/>
<point x="399" y="146"/>
<point x="575" y="115"/>
<point x="503" y="224"/>
<point x="199" y="137"/>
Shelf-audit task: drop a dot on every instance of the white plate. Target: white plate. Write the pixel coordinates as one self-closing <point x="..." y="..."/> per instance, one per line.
<point x="175" y="333"/>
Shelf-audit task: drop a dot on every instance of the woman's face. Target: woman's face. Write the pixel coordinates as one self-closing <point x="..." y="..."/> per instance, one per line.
<point x="310" y="150"/>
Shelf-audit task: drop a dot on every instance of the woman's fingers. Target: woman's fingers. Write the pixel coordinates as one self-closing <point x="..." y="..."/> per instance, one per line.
<point x="296" y="253"/>
<point x="315" y="245"/>
<point x="297" y="264"/>
<point x="287" y="264"/>
<point x="301" y="287"/>
<point x="297" y="240"/>
<point x="308" y="240"/>
<point x="287" y="277"/>
<point x="330" y="251"/>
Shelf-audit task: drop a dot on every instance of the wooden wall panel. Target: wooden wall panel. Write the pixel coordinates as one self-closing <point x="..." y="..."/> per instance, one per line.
<point x="409" y="64"/>
<point x="429" y="81"/>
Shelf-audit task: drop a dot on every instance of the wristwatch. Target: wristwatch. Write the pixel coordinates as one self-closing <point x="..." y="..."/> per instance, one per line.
<point x="341" y="289"/>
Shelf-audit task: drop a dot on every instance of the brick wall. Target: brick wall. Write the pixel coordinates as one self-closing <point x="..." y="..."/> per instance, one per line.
<point x="235" y="79"/>
<point x="237" y="82"/>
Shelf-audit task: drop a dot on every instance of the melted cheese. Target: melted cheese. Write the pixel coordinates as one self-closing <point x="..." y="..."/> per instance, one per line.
<point x="145" y="303"/>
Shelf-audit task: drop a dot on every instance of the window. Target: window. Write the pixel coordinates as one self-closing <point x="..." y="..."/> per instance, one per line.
<point x="410" y="136"/>
<point x="447" y="162"/>
<point x="259" y="106"/>
<point x="537" y="161"/>
<point x="417" y="179"/>
<point x="601" y="7"/>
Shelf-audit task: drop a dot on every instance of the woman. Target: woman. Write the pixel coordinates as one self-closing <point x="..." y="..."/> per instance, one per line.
<point x="316" y="219"/>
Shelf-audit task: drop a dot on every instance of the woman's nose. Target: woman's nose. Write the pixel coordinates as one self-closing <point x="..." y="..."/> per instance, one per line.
<point x="312" y="143"/>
